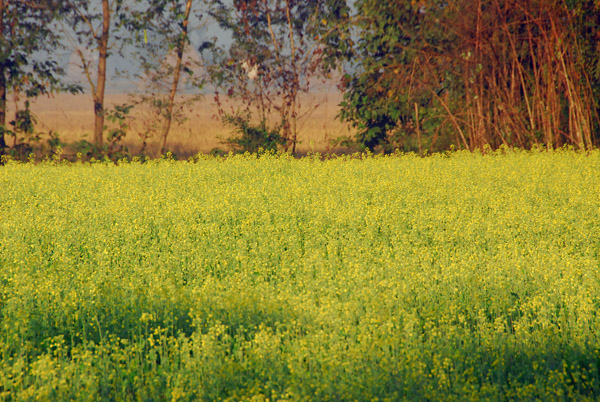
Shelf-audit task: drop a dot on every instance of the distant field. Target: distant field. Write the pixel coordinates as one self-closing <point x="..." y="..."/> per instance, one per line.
<point x="455" y="278"/>
<point x="72" y="117"/>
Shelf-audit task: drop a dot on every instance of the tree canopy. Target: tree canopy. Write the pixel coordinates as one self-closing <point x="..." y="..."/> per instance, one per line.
<point x="26" y="29"/>
<point x="279" y="49"/>
<point x="418" y="75"/>
<point x="474" y="73"/>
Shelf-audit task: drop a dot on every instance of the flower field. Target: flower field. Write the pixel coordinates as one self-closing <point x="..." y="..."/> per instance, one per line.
<point x="452" y="277"/>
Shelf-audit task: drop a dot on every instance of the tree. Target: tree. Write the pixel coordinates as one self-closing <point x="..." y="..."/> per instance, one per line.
<point x="163" y="59"/>
<point x="585" y="19"/>
<point x="386" y="80"/>
<point x="88" y="27"/>
<point x="26" y="29"/>
<point x="279" y="49"/>
<point x="474" y="73"/>
<point x="179" y="47"/>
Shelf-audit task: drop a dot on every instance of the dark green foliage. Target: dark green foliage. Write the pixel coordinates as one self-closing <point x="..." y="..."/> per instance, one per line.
<point x="474" y="73"/>
<point x="24" y="121"/>
<point x="29" y="142"/>
<point x="379" y="95"/>
<point x="27" y="29"/>
<point x="119" y="115"/>
<point x="252" y="137"/>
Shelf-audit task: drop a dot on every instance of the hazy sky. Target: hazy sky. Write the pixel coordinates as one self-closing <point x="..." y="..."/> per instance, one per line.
<point x="122" y="70"/>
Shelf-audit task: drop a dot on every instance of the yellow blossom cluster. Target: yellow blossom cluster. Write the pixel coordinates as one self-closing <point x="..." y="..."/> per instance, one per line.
<point x="460" y="276"/>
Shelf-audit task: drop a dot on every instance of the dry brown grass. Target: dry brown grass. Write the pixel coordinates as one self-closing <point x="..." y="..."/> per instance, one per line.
<point x="71" y="116"/>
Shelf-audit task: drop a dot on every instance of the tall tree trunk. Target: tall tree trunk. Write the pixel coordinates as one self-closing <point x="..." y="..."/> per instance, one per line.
<point x="2" y="108"/>
<point x="2" y="85"/>
<point x="177" y="72"/>
<point x="101" y="82"/>
<point x="295" y="85"/>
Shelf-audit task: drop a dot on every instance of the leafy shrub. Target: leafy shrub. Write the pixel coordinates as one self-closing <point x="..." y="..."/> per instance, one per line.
<point x="252" y="137"/>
